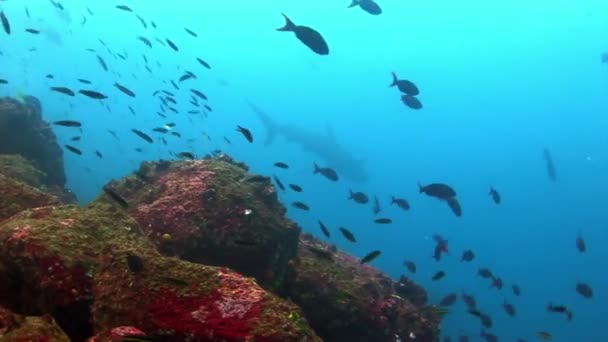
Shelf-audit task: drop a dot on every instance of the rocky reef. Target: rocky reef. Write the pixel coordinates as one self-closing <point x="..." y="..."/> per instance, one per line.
<point x="186" y="250"/>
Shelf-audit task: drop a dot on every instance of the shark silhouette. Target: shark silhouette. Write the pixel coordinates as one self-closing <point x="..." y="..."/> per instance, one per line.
<point x="325" y="146"/>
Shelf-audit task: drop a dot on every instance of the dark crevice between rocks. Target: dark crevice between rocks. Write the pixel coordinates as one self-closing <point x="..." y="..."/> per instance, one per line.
<point x="75" y="320"/>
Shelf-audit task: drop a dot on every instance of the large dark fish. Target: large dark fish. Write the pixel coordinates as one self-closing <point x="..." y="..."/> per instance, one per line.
<point x="5" y="24"/>
<point x="400" y="202"/>
<point x="326" y="172"/>
<point x="584" y="290"/>
<point x="368" y="6"/>
<point x="63" y="90"/>
<point x="347" y="234"/>
<point x="411" y="101"/>
<point x="549" y="164"/>
<point x="306" y="35"/>
<point x="438" y="275"/>
<point x="246" y="133"/>
<point x="124" y="89"/>
<point x="438" y="190"/>
<point x="404" y="86"/>
<point x="300" y="205"/>
<point x="370" y="257"/>
<point x="448" y="300"/>
<point x="358" y="197"/>
<point x="142" y="135"/>
<point x="93" y="94"/>
<point x="455" y="206"/>
<point x="67" y="123"/>
<point x="495" y="195"/>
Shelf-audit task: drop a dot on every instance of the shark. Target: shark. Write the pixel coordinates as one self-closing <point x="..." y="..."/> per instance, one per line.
<point x="323" y="145"/>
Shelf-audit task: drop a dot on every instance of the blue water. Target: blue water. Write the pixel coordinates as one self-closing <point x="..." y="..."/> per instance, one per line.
<point x="500" y="81"/>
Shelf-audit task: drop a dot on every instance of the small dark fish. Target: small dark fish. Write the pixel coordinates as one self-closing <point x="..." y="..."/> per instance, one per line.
<point x="102" y="63"/>
<point x="50" y="76"/>
<point x="81" y="80"/>
<point x="5" y="23"/>
<point x="67" y="123"/>
<point x="411" y="101"/>
<point x="63" y="90"/>
<point x="295" y="187"/>
<point x="115" y="197"/>
<point x="135" y="264"/>
<point x="410" y="265"/>
<point x="455" y="206"/>
<point x="324" y="229"/>
<point x="76" y="138"/>
<point x="543" y="335"/>
<point x="246" y="133"/>
<point x="98" y="154"/>
<point x="3" y="81"/>
<point x="383" y="221"/>
<point x="161" y="130"/>
<point x="496" y="283"/>
<point x="199" y="94"/>
<point x="142" y="21"/>
<point x="227" y="140"/>
<point x="475" y="312"/>
<point x="467" y="256"/>
<point x="489" y="337"/>
<point x="358" y="197"/>
<point x="495" y="195"/>
<point x="469" y="301"/>
<point x="145" y="41"/>
<point x="93" y="94"/>
<point x="438" y="275"/>
<point x="190" y="32"/>
<point x="208" y="108"/>
<point x="326" y="172"/>
<point x="438" y="190"/>
<point x="300" y="205"/>
<point x="27" y="12"/>
<point x="32" y="31"/>
<point x="186" y="76"/>
<point x="604" y="57"/>
<point x="370" y="257"/>
<point x="310" y="37"/>
<point x="550" y="165"/>
<point x="556" y="308"/>
<point x="153" y="23"/>
<point x="73" y="150"/>
<point x="376" y="209"/>
<point x="124" y="89"/>
<point x="281" y="165"/>
<point x="584" y="290"/>
<point x="176" y="134"/>
<point x="124" y="8"/>
<point x="580" y="243"/>
<point x="368" y="6"/>
<point x="172" y="45"/>
<point x="509" y="309"/>
<point x="348" y="235"/>
<point x="448" y="300"/>
<point x="203" y="63"/>
<point x="279" y="183"/>
<point x="400" y="202"/>
<point x="484" y="273"/>
<point x="185" y="155"/>
<point x="486" y="320"/>
<point x="404" y="86"/>
<point x="142" y="135"/>
<point x="516" y="290"/>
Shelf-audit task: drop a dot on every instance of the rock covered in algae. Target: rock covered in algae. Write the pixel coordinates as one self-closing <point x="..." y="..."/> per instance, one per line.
<point x="346" y="301"/>
<point x="73" y="263"/>
<point x="17" y="196"/>
<point x="14" y="327"/>
<point x="21" y="169"/>
<point x="24" y="132"/>
<point x="213" y="212"/>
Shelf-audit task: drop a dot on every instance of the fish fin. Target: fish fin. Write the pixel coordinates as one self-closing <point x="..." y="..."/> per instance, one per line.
<point x="317" y="169"/>
<point x="289" y="25"/>
<point x="394" y="83"/>
<point x="354" y="3"/>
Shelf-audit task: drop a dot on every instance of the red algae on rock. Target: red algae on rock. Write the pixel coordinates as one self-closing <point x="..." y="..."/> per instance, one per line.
<point x="346" y="301"/>
<point x="211" y="211"/>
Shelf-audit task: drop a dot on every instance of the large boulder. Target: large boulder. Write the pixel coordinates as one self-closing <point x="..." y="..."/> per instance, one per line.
<point x="24" y="132"/>
<point x="213" y="212"/>
<point x="15" y="327"/>
<point x="344" y="300"/>
<point x="17" y="196"/>
<point x="93" y="269"/>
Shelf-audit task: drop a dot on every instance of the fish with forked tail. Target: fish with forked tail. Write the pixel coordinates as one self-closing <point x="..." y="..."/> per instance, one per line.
<point x="308" y="36"/>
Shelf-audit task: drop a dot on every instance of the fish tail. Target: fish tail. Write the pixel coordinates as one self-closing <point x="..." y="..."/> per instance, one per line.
<point x="420" y="188"/>
<point x="317" y="169"/>
<point x="354" y="3"/>
<point x="392" y="200"/>
<point x="394" y="83"/>
<point x="289" y="25"/>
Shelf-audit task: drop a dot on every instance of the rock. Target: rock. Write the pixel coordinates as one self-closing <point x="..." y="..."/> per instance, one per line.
<point x="73" y="263"/>
<point x="21" y="169"/>
<point x="17" y="196"/>
<point x="346" y="301"/>
<point x="14" y="327"/>
<point x="213" y="212"/>
<point x="23" y="132"/>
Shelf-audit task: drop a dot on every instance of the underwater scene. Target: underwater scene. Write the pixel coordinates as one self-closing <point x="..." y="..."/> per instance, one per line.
<point x="320" y="170"/>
